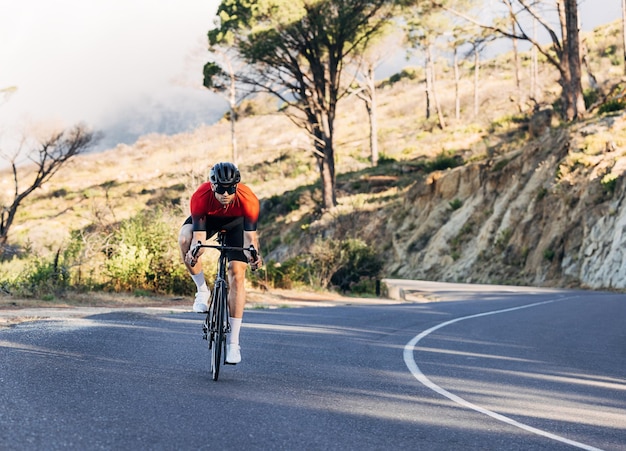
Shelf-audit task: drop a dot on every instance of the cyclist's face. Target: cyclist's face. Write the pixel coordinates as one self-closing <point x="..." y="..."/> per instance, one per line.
<point x="224" y="198"/>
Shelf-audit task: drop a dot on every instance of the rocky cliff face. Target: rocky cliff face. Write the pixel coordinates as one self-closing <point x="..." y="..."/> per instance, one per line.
<point x="552" y="213"/>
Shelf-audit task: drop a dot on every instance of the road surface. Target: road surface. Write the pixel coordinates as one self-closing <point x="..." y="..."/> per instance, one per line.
<point x="476" y="367"/>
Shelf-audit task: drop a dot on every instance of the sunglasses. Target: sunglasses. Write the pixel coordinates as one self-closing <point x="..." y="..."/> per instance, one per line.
<point x="221" y="189"/>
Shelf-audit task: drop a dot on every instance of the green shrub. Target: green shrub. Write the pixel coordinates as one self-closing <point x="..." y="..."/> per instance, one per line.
<point x="385" y="159"/>
<point x="43" y="277"/>
<point x="456" y="204"/>
<point x="443" y="161"/>
<point x="500" y="164"/>
<point x="350" y="265"/>
<point x="541" y="193"/>
<point x="129" y="266"/>
<point x="143" y="255"/>
<point x="408" y="73"/>
<point x="286" y="275"/>
<point x="609" y="182"/>
<point x="590" y="96"/>
<point x="359" y="267"/>
<point x="611" y="106"/>
<point x="548" y="254"/>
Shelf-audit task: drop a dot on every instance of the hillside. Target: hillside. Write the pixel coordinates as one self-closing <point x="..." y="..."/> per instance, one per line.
<point x="528" y="205"/>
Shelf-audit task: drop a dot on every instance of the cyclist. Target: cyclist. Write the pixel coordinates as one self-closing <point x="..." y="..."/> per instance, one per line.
<point x="223" y="203"/>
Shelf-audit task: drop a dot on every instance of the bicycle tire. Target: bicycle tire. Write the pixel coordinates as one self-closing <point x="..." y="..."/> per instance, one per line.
<point x="218" y="351"/>
<point x="210" y="327"/>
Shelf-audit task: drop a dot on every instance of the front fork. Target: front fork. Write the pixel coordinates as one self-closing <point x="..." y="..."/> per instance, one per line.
<point x="206" y="329"/>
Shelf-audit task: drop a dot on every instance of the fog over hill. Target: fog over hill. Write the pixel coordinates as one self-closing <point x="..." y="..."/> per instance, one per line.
<point x="181" y="111"/>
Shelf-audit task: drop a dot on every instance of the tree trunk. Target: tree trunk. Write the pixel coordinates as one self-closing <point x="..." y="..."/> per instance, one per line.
<point x="373" y="116"/>
<point x="232" y="100"/>
<point x="233" y="135"/>
<point x="326" y="166"/>
<point x="433" y="85"/>
<point x="428" y="86"/>
<point x="321" y="128"/>
<point x="624" y="31"/>
<point x="591" y="78"/>
<point x="565" y="78"/>
<point x="573" y="53"/>
<point x="476" y="79"/>
<point x="457" y="86"/>
<point x="518" y="81"/>
<point x="534" y="68"/>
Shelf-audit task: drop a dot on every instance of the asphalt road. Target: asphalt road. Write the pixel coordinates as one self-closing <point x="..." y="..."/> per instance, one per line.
<point x="485" y="368"/>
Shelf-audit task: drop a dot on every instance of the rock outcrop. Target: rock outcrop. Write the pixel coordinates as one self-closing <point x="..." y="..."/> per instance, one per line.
<point x="550" y="214"/>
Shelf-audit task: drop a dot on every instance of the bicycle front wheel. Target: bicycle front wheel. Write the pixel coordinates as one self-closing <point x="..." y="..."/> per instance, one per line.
<point x="218" y="345"/>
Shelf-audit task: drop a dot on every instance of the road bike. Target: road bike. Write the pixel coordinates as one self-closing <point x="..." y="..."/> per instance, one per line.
<point x="216" y="324"/>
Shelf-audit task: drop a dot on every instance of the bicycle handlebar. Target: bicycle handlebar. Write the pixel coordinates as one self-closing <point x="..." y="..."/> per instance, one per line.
<point x="196" y="248"/>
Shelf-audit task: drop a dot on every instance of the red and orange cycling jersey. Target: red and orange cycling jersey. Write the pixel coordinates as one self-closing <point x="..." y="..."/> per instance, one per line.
<point x="204" y="204"/>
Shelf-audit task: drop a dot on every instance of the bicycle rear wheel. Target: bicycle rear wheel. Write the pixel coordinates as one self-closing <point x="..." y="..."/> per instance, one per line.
<point x="218" y="335"/>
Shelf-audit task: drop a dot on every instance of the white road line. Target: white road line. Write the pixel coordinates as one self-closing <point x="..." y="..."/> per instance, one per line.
<point x="417" y="373"/>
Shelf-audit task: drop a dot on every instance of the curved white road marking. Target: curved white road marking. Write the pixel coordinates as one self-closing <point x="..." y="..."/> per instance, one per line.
<point x="417" y="373"/>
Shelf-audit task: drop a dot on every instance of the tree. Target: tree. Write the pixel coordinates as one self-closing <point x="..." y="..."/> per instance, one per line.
<point x="296" y="50"/>
<point x="563" y="54"/>
<point x="431" y="28"/>
<point x="364" y="85"/>
<point x="221" y="79"/>
<point x="366" y="91"/>
<point x="49" y="156"/>
<point x="424" y="25"/>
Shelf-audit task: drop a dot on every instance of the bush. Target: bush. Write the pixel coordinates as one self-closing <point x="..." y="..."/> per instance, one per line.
<point x="129" y="266"/>
<point x="612" y="105"/>
<point x="286" y="275"/>
<point x="349" y="265"/>
<point x="455" y="204"/>
<point x="590" y="96"/>
<point x="40" y="277"/>
<point x="143" y="254"/>
<point x="360" y="267"/>
<point x="608" y="183"/>
<point x="442" y="161"/>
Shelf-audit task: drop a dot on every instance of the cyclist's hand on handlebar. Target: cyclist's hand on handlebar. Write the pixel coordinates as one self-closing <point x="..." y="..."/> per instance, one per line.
<point x="192" y="255"/>
<point x="255" y="259"/>
<point x="256" y="264"/>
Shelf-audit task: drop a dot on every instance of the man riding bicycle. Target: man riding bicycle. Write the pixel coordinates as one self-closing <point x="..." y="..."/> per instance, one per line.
<point x="223" y="203"/>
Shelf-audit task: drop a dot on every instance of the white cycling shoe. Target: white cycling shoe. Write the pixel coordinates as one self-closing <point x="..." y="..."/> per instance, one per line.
<point x="233" y="354"/>
<point x="201" y="303"/>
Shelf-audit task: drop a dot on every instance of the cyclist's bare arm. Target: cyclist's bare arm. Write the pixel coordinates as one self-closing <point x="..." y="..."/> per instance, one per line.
<point x="250" y="238"/>
<point x="196" y="251"/>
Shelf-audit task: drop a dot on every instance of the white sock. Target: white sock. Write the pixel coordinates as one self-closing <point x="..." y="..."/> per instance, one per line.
<point x="235" y="327"/>
<point x="199" y="281"/>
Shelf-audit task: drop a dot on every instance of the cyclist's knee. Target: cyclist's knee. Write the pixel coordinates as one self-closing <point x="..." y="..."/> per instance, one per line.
<point x="237" y="270"/>
<point x="185" y="236"/>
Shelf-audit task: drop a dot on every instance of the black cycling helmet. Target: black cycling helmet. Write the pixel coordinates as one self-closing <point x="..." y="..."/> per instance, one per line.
<point x="225" y="174"/>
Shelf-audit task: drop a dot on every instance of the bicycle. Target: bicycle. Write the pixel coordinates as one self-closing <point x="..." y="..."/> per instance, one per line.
<point x="216" y="324"/>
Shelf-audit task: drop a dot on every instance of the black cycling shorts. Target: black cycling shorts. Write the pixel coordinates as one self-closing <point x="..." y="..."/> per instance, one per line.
<point x="234" y="234"/>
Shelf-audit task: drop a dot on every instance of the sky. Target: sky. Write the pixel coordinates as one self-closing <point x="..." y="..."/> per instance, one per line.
<point x="126" y="66"/>
<point x="100" y="61"/>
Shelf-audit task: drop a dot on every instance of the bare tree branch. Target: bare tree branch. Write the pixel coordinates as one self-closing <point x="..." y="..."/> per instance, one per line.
<point x="51" y="155"/>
